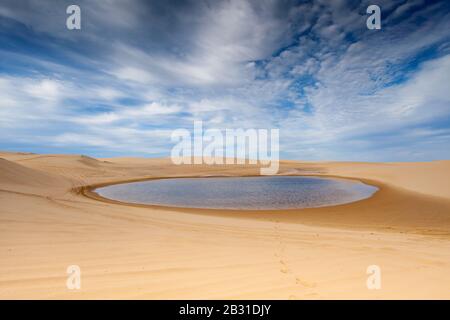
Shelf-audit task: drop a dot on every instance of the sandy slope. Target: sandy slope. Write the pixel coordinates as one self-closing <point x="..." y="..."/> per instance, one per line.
<point x="46" y="224"/>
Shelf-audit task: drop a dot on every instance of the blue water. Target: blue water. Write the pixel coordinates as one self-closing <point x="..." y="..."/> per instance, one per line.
<point x="245" y="193"/>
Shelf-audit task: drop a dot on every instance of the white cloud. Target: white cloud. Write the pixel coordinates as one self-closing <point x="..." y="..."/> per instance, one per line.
<point x="134" y="74"/>
<point x="45" y="89"/>
<point x="144" y="114"/>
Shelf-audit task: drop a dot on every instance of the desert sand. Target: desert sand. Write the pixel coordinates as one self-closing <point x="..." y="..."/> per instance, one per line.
<point x="50" y="218"/>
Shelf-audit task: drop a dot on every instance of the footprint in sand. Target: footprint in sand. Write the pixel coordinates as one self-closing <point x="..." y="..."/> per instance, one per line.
<point x="284" y="267"/>
<point x="305" y="283"/>
<point x="279" y="253"/>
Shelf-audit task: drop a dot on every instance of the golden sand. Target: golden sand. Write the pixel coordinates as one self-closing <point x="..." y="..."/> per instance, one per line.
<point x="50" y="219"/>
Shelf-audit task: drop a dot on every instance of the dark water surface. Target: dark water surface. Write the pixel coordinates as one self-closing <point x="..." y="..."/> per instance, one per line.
<point x="248" y="193"/>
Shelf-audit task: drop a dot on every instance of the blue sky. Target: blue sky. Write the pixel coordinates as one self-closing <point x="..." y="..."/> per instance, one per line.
<point x="137" y="70"/>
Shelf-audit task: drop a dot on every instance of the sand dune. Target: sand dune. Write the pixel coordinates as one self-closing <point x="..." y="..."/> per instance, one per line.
<point x="16" y="177"/>
<point x="49" y="220"/>
<point x="432" y="178"/>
